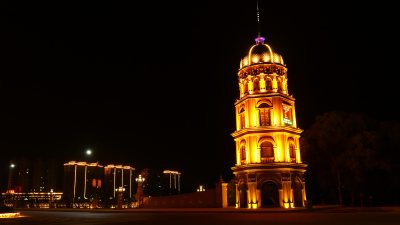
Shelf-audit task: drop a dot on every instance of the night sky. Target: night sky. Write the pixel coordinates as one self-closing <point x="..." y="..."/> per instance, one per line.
<point x="153" y="85"/>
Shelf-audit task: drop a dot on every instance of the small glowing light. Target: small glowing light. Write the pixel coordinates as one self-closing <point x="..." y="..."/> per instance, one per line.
<point x="245" y="61"/>
<point x="120" y="189"/>
<point x="140" y="179"/>
<point x="260" y="40"/>
<point x="9" y="215"/>
<point x="200" y="189"/>
<point x="255" y="59"/>
<point x="88" y="152"/>
<point x="12" y="165"/>
<point x="266" y="57"/>
<point x="171" y="171"/>
<point x="286" y="205"/>
<point x="276" y="58"/>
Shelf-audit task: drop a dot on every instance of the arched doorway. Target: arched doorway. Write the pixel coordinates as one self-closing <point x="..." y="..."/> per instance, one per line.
<point x="297" y="193"/>
<point x="269" y="195"/>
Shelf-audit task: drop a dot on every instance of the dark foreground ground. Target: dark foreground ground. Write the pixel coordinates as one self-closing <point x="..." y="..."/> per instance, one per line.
<point x="318" y="215"/>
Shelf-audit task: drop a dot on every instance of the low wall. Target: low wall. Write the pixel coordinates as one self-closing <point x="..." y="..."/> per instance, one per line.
<point x="204" y="199"/>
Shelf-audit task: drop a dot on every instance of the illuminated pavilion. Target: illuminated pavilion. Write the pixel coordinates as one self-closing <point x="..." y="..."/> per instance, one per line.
<point x="268" y="170"/>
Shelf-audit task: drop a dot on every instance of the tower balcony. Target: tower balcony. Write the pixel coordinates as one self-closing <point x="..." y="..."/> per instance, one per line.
<point x="270" y="166"/>
<point x="266" y="129"/>
<point x="267" y="159"/>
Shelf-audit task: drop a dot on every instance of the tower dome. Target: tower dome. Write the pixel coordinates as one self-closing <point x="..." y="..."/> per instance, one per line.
<point x="262" y="71"/>
<point x="261" y="53"/>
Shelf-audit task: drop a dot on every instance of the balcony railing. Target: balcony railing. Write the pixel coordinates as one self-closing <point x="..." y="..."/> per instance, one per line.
<point x="267" y="159"/>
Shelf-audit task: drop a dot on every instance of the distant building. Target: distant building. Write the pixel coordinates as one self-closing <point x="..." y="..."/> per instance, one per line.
<point x="162" y="183"/>
<point x="82" y="181"/>
<point x="37" y="175"/>
<point x="116" y="176"/>
<point x="174" y="178"/>
<point x="33" y="183"/>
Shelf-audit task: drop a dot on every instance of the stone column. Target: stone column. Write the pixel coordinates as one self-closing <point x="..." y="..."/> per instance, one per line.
<point x="252" y="196"/>
<point x="237" y="204"/>
<point x="286" y="192"/>
<point x="274" y="83"/>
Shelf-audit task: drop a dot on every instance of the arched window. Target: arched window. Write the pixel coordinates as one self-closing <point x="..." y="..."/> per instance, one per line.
<point x="280" y="85"/>
<point x="250" y="86"/>
<point x="268" y="84"/>
<point x="292" y="152"/>
<point x="256" y="85"/>
<point x="246" y="89"/>
<point x="243" y="154"/>
<point x="264" y="114"/>
<point x="267" y="152"/>
<point x="242" y="118"/>
<point x="241" y="89"/>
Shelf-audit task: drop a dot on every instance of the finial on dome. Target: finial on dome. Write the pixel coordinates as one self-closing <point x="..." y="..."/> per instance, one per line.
<point x="260" y="40"/>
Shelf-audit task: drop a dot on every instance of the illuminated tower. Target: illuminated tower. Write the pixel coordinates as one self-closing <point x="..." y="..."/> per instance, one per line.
<point x="268" y="170"/>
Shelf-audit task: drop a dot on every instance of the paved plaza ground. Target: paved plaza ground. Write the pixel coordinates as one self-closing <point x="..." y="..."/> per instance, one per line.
<point x="323" y="215"/>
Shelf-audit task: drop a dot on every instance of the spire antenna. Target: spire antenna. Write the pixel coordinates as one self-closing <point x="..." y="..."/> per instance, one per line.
<point x="258" y="21"/>
<point x="259" y="39"/>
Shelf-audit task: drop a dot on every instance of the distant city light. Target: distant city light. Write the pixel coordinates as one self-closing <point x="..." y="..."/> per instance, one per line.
<point x="140" y="179"/>
<point x="12" y="165"/>
<point x="120" y="189"/>
<point x="200" y="189"/>
<point x="88" y="152"/>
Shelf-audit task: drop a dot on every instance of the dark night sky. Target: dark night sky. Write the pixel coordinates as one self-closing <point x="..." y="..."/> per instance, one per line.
<point x="154" y="84"/>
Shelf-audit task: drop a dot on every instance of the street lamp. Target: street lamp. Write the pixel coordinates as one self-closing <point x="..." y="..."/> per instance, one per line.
<point x="140" y="179"/>
<point x="12" y="165"/>
<point x="120" y="192"/>
<point x="200" y="189"/>
<point x="9" y="185"/>
<point x="89" y="152"/>
<point x="139" y="192"/>
<point x="51" y="200"/>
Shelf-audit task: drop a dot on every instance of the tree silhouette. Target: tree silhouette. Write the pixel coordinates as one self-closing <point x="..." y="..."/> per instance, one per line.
<point x="341" y="149"/>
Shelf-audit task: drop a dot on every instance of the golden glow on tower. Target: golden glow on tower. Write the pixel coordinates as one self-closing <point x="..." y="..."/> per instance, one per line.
<point x="261" y="53"/>
<point x="267" y="137"/>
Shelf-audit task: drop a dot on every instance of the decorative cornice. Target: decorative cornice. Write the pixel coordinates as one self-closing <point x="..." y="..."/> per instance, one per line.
<point x="264" y="130"/>
<point x="263" y="95"/>
<point x="273" y="167"/>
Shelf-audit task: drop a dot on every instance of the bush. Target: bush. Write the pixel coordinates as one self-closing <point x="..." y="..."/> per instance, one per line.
<point x="5" y="209"/>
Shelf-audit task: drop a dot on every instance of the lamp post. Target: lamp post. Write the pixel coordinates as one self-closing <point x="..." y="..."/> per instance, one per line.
<point x="88" y="154"/>
<point x="9" y="185"/>
<point x="14" y="205"/>
<point x="12" y="165"/>
<point x="139" y="192"/>
<point x="51" y="200"/>
<point x="120" y="192"/>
